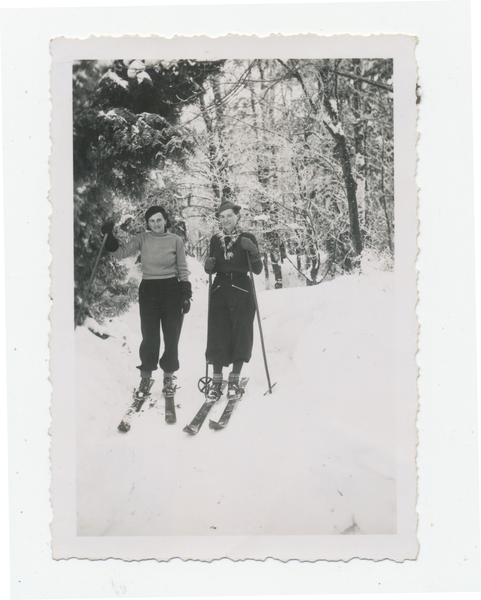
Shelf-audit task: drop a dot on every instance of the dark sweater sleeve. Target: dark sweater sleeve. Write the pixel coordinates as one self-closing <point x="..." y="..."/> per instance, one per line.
<point x="211" y="254"/>
<point x="256" y="261"/>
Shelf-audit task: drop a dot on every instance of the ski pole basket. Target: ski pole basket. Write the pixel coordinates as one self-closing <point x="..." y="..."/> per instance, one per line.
<point x="204" y="384"/>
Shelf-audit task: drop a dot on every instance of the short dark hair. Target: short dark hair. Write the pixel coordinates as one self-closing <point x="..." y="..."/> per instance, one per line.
<point x="154" y="210"/>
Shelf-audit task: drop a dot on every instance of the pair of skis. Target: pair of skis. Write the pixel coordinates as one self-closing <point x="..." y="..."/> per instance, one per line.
<point x="197" y="422"/>
<point x="170" y="416"/>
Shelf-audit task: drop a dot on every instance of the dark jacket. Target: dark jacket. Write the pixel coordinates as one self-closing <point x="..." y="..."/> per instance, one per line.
<point x="237" y="261"/>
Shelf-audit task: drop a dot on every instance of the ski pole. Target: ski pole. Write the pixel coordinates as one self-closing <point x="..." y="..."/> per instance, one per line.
<point x="87" y="291"/>
<point x="203" y="383"/>
<point x="260" y="326"/>
<point x="208" y="315"/>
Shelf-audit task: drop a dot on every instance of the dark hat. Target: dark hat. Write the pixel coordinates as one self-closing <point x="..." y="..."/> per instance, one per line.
<point x="226" y="205"/>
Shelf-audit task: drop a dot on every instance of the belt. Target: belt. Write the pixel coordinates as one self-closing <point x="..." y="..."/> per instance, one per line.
<point x="231" y="275"/>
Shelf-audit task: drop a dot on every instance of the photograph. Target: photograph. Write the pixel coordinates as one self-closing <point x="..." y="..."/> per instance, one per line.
<point x="234" y="328"/>
<point x="240" y="333"/>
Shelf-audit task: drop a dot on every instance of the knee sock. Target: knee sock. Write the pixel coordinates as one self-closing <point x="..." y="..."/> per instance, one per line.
<point x="217" y="379"/>
<point x="234" y="378"/>
<point x="145" y="374"/>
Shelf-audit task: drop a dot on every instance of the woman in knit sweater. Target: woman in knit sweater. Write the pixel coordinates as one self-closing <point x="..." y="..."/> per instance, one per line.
<point x="232" y="304"/>
<point x="164" y="294"/>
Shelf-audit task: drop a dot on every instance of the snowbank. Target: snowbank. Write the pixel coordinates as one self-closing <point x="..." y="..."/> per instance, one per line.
<point x="315" y="457"/>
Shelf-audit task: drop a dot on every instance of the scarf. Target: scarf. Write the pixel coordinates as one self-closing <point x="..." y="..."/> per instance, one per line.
<point x="227" y="246"/>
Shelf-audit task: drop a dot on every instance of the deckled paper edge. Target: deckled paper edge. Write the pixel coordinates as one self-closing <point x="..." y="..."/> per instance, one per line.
<point x="51" y="268"/>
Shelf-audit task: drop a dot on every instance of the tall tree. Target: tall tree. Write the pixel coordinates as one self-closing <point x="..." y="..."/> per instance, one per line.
<point x="126" y="121"/>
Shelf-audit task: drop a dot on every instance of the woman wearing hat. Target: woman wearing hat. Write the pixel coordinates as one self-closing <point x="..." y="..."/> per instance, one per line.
<point x="232" y="305"/>
<point x="164" y="294"/>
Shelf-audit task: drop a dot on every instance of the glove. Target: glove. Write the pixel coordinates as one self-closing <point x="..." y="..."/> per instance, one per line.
<point x="107" y="227"/>
<point x="112" y="244"/>
<point x="186" y="295"/>
<point x="186" y="290"/>
<point x="210" y="264"/>
<point x="248" y="245"/>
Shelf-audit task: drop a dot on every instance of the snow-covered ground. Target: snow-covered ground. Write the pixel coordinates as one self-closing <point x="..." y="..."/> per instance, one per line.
<point x="315" y="457"/>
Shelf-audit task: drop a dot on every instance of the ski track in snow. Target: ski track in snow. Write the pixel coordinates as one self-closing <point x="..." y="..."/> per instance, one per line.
<point x="315" y="457"/>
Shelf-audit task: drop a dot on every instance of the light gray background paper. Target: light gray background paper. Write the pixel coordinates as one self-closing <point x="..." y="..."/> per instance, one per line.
<point x="447" y="458"/>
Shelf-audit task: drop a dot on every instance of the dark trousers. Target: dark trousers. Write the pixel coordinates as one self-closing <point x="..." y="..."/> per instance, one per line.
<point x="231" y="318"/>
<point x="159" y="302"/>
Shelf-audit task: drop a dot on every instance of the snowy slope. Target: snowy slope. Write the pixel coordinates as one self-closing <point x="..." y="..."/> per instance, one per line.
<point x="315" y="457"/>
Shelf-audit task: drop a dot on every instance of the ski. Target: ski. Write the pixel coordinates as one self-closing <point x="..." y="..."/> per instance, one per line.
<point x="198" y="420"/>
<point x="168" y="392"/>
<point x="139" y="399"/>
<point x="170" y="416"/>
<point x="231" y="404"/>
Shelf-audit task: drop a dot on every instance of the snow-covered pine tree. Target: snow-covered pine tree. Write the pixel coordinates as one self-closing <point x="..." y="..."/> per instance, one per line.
<point x="126" y="126"/>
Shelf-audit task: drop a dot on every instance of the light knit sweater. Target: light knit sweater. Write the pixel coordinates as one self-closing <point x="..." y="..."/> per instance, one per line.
<point x="162" y="256"/>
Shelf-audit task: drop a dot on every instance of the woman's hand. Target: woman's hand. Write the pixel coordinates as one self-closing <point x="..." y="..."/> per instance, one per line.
<point x="107" y="227"/>
<point x="248" y="245"/>
<point x="112" y="244"/>
<point x="210" y="264"/>
<point x="186" y="295"/>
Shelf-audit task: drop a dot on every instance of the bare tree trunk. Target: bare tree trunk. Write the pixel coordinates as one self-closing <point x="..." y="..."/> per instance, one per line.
<point x="331" y="120"/>
<point x="264" y="177"/>
<point x="351" y="187"/>
<point x="359" y="146"/>
<point x="266" y="269"/>
<point x="334" y="126"/>
<point x="383" y="199"/>
<point x="218" y="158"/>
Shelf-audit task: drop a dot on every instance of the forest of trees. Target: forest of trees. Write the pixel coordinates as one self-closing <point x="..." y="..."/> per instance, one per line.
<point x="304" y="146"/>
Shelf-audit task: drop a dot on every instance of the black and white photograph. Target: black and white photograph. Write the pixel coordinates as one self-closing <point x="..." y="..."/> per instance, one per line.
<point x="234" y="329"/>
<point x="240" y="299"/>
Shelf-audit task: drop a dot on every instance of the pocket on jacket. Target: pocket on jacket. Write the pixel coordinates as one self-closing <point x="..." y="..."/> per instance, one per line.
<point x="239" y="288"/>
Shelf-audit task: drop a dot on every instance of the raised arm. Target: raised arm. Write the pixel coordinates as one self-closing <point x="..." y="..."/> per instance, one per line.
<point x="112" y="244"/>
<point x="249" y="243"/>
<point x="209" y="265"/>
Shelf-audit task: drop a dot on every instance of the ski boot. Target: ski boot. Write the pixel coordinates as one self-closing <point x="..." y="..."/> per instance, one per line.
<point x="143" y="392"/>
<point x="233" y="389"/>
<point x="169" y="388"/>
<point x="215" y="389"/>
